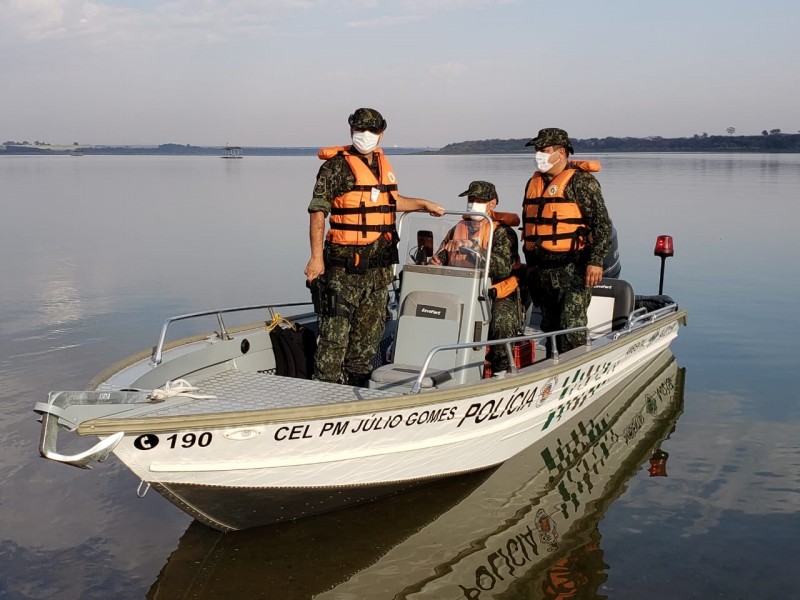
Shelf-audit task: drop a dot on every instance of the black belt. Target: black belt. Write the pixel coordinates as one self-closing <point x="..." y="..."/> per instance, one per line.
<point x="373" y="262"/>
<point x="358" y="262"/>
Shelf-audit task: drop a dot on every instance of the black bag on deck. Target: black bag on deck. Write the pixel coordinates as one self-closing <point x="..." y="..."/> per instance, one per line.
<point x="294" y="351"/>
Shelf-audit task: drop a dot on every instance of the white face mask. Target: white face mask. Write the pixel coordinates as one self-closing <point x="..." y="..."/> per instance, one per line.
<point x="479" y="207"/>
<point x="543" y="164"/>
<point x="365" y="141"/>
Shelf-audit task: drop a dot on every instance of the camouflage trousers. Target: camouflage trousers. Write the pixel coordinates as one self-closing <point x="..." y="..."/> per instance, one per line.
<point x="563" y="298"/>
<point x="347" y="345"/>
<point x="506" y="322"/>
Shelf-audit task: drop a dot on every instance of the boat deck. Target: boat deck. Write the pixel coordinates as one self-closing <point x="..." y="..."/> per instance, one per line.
<point x="239" y="391"/>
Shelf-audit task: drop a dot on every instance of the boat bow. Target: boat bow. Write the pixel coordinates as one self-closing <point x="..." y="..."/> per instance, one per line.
<point x="69" y="410"/>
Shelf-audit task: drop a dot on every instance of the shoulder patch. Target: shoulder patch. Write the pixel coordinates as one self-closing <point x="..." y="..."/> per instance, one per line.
<point x="321" y="187"/>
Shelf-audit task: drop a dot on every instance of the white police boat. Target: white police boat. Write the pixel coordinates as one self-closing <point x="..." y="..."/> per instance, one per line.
<point x="221" y="424"/>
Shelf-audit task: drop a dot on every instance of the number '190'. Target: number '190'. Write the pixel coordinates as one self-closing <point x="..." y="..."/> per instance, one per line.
<point x="187" y="440"/>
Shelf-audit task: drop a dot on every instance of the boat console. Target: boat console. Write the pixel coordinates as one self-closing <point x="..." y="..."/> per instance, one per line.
<point x="438" y="306"/>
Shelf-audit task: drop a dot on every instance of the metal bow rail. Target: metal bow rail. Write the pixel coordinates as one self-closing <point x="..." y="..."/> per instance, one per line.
<point x="158" y="349"/>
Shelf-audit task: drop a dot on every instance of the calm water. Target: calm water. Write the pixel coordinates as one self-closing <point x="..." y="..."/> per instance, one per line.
<point x="96" y="251"/>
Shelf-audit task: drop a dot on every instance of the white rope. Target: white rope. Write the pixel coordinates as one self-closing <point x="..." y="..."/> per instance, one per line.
<point x="177" y="388"/>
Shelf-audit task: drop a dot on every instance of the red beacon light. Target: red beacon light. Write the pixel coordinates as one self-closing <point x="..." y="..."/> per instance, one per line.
<point x="664" y="247"/>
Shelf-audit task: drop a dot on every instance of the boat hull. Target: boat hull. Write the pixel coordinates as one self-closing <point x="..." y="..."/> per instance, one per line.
<point x="228" y="509"/>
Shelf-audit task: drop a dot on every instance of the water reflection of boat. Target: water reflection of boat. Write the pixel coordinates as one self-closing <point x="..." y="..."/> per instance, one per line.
<point x="527" y="529"/>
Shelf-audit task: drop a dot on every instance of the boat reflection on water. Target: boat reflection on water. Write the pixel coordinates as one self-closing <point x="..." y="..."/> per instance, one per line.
<point x="527" y="528"/>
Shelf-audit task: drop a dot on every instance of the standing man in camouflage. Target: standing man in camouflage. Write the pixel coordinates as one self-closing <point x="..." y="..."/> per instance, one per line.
<point x="567" y="233"/>
<point x="351" y="267"/>
<point x="468" y="240"/>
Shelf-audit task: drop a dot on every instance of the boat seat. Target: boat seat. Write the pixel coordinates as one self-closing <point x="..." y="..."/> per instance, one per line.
<point x="612" y="302"/>
<point x="389" y="376"/>
<point x="427" y="319"/>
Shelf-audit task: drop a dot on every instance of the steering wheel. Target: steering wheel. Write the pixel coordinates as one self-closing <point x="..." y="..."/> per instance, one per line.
<point x="474" y="254"/>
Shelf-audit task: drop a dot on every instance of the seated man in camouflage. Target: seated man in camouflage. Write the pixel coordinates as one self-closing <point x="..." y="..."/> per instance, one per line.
<point x="467" y="241"/>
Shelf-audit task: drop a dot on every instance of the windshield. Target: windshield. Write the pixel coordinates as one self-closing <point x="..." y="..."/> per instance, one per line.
<point x="454" y="240"/>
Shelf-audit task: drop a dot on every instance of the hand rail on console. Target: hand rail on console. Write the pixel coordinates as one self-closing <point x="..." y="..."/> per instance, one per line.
<point x="417" y="386"/>
<point x="637" y="318"/>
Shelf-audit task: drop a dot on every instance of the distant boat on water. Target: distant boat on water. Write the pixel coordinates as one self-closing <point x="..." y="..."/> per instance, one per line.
<point x="76" y="152"/>
<point x="232" y="152"/>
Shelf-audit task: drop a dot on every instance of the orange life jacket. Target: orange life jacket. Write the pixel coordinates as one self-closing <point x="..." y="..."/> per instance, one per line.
<point x="360" y="216"/>
<point x="506" y="286"/>
<point x="550" y="221"/>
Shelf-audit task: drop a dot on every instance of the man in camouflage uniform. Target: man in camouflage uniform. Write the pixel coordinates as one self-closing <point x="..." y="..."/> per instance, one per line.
<point x="560" y="282"/>
<point x="351" y="327"/>
<point x="506" y="311"/>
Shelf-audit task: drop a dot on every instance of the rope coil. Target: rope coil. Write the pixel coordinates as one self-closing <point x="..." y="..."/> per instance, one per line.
<point x="277" y="320"/>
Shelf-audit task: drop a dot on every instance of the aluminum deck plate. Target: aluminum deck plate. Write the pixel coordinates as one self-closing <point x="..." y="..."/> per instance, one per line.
<point x="237" y="391"/>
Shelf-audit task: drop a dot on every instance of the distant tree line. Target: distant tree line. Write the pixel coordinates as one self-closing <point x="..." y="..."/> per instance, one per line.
<point x="26" y="143"/>
<point x="768" y="141"/>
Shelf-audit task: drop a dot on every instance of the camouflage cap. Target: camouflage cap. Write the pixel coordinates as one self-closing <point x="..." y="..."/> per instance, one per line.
<point x="367" y="118"/>
<point x="482" y="190"/>
<point x="551" y="136"/>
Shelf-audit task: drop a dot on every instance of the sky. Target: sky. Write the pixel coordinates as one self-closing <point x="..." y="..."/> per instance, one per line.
<point x="289" y="72"/>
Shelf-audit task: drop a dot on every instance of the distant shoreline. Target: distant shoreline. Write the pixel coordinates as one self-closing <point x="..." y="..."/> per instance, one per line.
<point x="765" y="143"/>
<point x="173" y="150"/>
